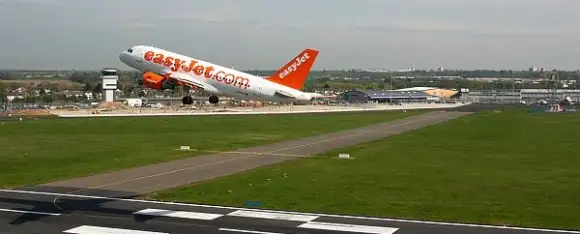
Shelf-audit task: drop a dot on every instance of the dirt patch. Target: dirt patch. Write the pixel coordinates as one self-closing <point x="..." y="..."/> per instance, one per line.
<point x="112" y="105"/>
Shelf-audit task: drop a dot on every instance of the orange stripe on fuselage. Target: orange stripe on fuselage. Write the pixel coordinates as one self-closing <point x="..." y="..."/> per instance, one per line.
<point x="193" y="66"/>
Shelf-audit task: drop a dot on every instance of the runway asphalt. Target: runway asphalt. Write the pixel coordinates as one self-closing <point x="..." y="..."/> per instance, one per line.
<point x="37" y="212"/>
<point x="151" y="178"/>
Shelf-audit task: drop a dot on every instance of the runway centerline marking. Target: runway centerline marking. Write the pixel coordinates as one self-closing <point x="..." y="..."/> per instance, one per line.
<point x="247" y="231"/>
<point x="292" y="212"/>
<point x="257" y="153"/>
<point x="29" y="212"/>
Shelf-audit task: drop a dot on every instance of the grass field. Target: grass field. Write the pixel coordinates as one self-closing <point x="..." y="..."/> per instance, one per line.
<point x="37" y="151"/>
<point x="510" y="167"/>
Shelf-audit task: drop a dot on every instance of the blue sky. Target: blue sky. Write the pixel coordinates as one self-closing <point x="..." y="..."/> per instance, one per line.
<point x="390" y="34"/>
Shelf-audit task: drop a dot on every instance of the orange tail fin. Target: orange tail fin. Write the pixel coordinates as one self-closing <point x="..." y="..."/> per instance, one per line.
<point x="295" y="72"/>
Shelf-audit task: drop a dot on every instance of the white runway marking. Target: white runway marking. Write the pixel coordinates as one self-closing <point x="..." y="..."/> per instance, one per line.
<point x="178" y="214"/>
<point x="348" y="228"/>
<point x="246" y="231"/>
<point x="290" y="212"/>
<point x="87" y="229"/>
<point x="273" y="215"/>
<point x="29" y="212"/>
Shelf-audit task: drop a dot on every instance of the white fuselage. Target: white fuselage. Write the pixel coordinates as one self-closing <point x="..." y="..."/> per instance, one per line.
<point x="219" y="80"/>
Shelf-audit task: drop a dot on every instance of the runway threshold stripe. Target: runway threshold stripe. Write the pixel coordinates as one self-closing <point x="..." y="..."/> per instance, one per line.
<point x="178" y="214"/>
<point x="273" y="215"/>
<point x="29" y="212"/>
<point x="409" y="221"/>
<point x="348" y="228"/>
<point x="246" y="231"/>
<point x="87" y="229"/>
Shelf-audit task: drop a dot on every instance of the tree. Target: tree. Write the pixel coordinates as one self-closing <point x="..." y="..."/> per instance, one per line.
<point x="88" y="87"/>
<point x="2" y="95"/>
<point x="98" y="88"/>
<point x="77" y="77"/>
<point x="48" y="98"/>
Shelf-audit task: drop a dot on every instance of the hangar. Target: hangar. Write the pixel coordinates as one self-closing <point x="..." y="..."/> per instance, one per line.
<point x="387" y="96"/>
<point x="442" y="93"/>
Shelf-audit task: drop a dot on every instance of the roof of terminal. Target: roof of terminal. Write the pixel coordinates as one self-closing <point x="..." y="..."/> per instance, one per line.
<point x="392" y="94"/>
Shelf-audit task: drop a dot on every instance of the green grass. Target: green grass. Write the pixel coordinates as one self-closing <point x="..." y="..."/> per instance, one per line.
<point x="44" y="150"/>
<point x="509" y="167"/>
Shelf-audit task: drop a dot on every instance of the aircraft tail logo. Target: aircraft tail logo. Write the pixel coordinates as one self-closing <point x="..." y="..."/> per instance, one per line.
<point x="295" y="72"/>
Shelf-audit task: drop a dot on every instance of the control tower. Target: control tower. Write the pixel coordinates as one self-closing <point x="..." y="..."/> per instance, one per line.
<point x="110" y="78"/>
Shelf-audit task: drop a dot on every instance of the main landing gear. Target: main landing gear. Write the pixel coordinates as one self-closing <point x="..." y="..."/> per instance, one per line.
<point x="188" y="100"/>
<point x="213" y="99"/>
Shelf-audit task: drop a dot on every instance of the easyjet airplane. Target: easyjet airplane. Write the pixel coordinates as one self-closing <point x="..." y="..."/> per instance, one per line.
<point x="164" y="69"/>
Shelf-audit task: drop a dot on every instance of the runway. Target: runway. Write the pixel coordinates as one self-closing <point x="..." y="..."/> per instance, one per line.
<point x="38" y="212"/>
<point x="151" y="178"/>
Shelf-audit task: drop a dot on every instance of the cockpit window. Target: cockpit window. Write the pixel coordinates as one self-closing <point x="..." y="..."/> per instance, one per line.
<point x="130" y="50"/>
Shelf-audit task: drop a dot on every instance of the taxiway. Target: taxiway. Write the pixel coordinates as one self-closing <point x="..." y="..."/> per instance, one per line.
<point x="41" y="212"/>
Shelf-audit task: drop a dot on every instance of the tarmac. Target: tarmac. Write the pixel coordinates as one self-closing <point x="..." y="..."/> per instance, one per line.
<point x="26" y="212"/>
<point x="151" y="178"/>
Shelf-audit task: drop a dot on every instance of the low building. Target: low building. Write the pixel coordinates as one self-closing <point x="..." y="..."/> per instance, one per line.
<point x="536" y="95"/>
<point x="518" y="96"/>
<point x="387" y="96"/>
<point x="442" y="93"/>
<point x="491" y="96"/>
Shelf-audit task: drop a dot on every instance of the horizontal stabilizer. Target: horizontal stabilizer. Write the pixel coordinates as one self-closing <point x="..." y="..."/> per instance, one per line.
<point x="284" y="94"/>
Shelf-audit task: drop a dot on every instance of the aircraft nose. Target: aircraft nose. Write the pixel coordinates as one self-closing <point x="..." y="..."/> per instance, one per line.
<point x="123" y="56"/>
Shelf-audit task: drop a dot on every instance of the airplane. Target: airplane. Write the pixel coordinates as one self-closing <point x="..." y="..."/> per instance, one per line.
<point x="163" y="69"/>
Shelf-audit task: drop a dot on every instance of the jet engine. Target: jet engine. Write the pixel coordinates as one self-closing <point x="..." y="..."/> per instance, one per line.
<point x="156" y="81"/>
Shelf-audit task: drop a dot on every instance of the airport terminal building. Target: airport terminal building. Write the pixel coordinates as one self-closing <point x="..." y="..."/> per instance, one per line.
<point x="387" y="96"/>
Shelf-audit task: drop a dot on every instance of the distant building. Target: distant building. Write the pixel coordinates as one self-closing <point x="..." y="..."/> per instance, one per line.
<point x="442" y="93"/>
<point x="491" y="96"/>
<point x="517" y="96"/>
<point x="387" y="96"/>
<point x="535" y="95"/>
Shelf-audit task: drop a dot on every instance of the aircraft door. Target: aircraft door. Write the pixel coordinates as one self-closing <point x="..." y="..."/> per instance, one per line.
<point x="257" y="90"/>
<point x="260" y="90"/>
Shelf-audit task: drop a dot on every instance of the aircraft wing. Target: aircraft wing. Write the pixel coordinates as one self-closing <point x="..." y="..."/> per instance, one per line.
<point x="186" y="79"/>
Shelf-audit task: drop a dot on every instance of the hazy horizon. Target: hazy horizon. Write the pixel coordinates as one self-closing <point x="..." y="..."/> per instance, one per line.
<point x="265" y="34"/>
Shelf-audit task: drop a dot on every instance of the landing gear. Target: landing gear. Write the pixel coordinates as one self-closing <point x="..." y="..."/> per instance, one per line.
<point x="187" y="100"/>
<point x="213" y="99"/>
